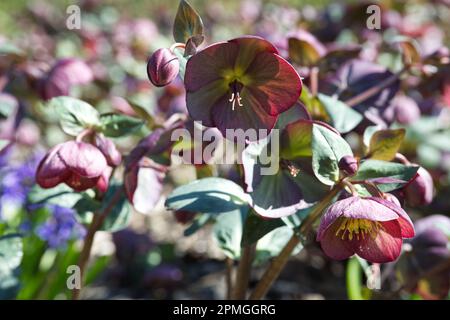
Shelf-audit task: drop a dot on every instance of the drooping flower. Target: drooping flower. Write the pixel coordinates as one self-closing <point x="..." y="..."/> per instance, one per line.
<point x="80" y="165"/>
<point x="63" y="75"/>
<point x="61" y="227"/>
<point x="372" y="228"/>
<point x="240" y="84"/>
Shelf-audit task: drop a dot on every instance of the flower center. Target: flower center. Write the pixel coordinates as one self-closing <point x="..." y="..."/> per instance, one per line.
<point x="358" y="227"/>
<point x="235" y="88"/>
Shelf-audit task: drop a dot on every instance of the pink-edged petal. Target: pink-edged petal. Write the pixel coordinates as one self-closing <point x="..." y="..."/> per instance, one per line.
<point x="333" y="246"/>
<point x="335" y="211"/>
<point x="148" y="189"/>
<point x="249" y="116"/>
<point x="51" y="170"/>
<point x="209" y="65"/>
<point x="406" y="225"/>
<point x="83" y="159"/>
<point x="385" y="247"/>
<point x="274" y="83"/>
<point x="368" y="209"/>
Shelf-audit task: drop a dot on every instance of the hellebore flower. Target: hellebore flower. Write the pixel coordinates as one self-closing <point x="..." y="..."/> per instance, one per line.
<point x="429" y="248"/>
<point x="240" y="84"/>
<point x="80" y="165"/>
<point x="420" y="190"/>
<point x="371" y="227"/>
<point x="162" y="67"/>
<point x="63" y="75"/>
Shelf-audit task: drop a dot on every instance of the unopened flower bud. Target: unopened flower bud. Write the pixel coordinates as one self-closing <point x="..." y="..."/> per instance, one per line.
<point x="420" y="190"/>
<point x="162" y="67"/>
<point x="348" y="165"/>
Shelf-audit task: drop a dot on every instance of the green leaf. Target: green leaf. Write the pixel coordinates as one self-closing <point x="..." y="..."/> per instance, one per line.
<point x="328" y="148"/>
<point x="296" y="140"/>
<point x="11" y="252"/>
<point x="370" y="169"/>
<point x="187" y="23"/>
<point x="199" y="222"/>
<point x="7" y="107"/>
<point x="255" y="228"/>
<point x="7" y="48"/>
<point x="384" y="144"/>
<point x="302" y="53"/>
<point x="228" y="231"/>
<point x="61" y="195"/>
<point x="183" y="60"/>
<point x="208" y="195"/>
<point x="117" y="125"/>
<point x="343" y="118"/>
<point x="272" y="243"/>
<point x="370" y="130"/>
<point x="75" y="115"/>
<point x="119" y="216"/>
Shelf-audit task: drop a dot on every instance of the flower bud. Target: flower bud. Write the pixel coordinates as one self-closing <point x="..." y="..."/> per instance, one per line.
<point x="162" y="67"/>
<point x="348" y="165"/>
<point x="420" y="190"/>
<point x="109" y="150"/>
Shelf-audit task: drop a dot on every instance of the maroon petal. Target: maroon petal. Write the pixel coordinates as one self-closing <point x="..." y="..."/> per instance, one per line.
<point x="250" y="116"/>
<point x="52" y="170"/>
<point x="274" y="83"/>
<point x="209" y="64"/>
<point x="79" y="183"/>
<point x="83" y="159"/>
<point x="333" y="246"/>
<point x="385" y="247"/>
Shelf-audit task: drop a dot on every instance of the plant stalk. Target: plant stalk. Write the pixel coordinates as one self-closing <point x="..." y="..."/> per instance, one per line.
<point x="95" y="225"/>
<point x="243" y="272"/>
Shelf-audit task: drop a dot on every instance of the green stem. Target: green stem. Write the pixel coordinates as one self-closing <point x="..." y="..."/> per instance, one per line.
<point x="354" y="278"/>
<point x="280" y="261"/>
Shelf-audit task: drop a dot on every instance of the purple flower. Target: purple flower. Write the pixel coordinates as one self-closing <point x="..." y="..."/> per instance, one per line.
<point x="78" y="164"/>
<point x="63" y="75"/>
<point x="240" y="84"/>
<point x="60" y="228"/>
<point x="371" y="227"/>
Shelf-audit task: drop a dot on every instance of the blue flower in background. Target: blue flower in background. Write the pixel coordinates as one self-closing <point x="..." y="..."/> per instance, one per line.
<point x="60" y="227"/>
<point x="16" y="181"/>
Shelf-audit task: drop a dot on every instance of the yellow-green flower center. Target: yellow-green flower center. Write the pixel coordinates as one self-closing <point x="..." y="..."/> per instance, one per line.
<point x="358" y="227"/>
